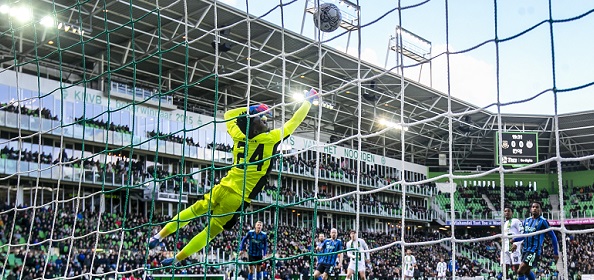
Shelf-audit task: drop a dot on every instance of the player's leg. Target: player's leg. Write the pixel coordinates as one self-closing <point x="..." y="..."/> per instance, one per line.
<point x="516" y="260"/>
<point x="259" y="273"/>
<point x="507" y="261"/>
<point x="251" y="270"/>
<point x="183" y="218"/>
<point x="350" y="270"/>
<point x="320" y="271"/>
<point x="316" y="274"/>
<point x="350" y="273"/>
<point x="226" y="203"/>
<point x="525" y="269"/>
<point x="362" y="274"/>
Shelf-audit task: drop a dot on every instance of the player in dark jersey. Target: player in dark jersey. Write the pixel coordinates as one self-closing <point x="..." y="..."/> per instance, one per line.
<point x="327" y="261"/>
<point x="243" y="181"/>
<point x="255" y="243"/>
<point x="532" y="245"/>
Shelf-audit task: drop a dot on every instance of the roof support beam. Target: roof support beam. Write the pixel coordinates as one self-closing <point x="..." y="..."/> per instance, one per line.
<point x="574" y="148"/>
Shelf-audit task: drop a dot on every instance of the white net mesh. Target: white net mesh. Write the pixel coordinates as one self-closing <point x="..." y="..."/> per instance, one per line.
<point x="111" y="122"/>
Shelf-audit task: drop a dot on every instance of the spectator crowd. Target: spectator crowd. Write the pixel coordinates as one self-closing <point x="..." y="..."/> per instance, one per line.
<point x="23" y="110"/>
<point x="107" y="244"/>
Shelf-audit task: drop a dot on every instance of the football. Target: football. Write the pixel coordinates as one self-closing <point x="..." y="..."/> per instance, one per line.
<point x="327" y="17"/>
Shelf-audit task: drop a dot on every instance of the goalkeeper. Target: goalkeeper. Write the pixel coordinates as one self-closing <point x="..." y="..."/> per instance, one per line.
<point x="228" y="196"/>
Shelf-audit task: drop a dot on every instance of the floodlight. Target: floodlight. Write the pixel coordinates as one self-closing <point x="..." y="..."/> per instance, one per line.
<point x="48" y="21"/>
<point x="298" y="96"/>
<point x="391" y="124"/>
<point x="21" y="13"/>
<point x="4" y="9"/>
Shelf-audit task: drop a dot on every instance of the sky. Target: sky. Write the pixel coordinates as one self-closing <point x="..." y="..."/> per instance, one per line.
<point x="522" y="69"/>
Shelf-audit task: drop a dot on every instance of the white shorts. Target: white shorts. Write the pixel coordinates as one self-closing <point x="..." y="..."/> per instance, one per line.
<point x="357" y="267"/>
<point x="441" y="275"/>
<point x="512" y="258"/>
<point x="409" y="273"/>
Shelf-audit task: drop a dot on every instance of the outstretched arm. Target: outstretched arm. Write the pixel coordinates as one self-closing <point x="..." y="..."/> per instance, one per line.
<point x="231" y="122"/>
<point x="292" y="124"/>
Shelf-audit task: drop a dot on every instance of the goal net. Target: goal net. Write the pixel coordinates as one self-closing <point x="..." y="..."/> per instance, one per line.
<point x="112" y="121"/>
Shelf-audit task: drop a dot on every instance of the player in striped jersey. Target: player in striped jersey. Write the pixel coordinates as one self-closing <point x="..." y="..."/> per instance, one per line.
<point x="255" y="244"/>
<point x="441" y="269"/>
<point x="410" y="263"/>
<point x="512" y="255"/>
<point x="357" y="261"/>
<point x="532" y="246"/>
<point x="327" y="261"/>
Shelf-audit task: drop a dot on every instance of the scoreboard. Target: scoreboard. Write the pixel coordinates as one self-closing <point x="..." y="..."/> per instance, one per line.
<point x="517" y="148"/>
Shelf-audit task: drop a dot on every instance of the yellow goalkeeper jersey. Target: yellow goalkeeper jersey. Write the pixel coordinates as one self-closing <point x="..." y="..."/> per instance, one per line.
<point x="259" y="148"/>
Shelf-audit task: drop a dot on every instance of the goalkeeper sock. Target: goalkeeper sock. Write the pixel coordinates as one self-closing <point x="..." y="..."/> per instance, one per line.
<point x="158" y="236"/>
<point x="531" y="276"/>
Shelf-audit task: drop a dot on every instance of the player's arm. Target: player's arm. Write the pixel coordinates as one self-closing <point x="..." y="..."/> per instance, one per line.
<point x="518" y="239"/>
<point x="292" y="124"/>
<point x="231" y="122"/>
<point x="350" y="253"/>
<point x="521" y="238"/>
<point x="339" y="255"/>
<point x="520" y="227"/>
<point x="366" y="248"/>
<point x="553" y="237"/>
<point x="244" y="240"/>
<point x="321" y="246"/>
<point x="265" y="249"/>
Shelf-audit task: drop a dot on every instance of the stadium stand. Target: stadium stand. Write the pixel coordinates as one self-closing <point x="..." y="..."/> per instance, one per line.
<point x="582" y="201"/>
<point x="81" y="259"/>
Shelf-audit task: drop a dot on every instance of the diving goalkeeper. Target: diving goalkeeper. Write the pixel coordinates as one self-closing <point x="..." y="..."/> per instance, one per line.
<point x="228" y="196"/>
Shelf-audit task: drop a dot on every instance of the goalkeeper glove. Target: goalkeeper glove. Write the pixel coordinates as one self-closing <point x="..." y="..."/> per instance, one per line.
<point x="311" y="95"/>
<point x="255" y="109"/>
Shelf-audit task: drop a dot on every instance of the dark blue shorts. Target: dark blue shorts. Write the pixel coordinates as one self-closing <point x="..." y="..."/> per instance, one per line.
<point x="530" y="258"/>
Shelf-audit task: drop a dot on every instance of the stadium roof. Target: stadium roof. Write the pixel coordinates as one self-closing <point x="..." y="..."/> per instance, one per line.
<point x="131" y="49"/>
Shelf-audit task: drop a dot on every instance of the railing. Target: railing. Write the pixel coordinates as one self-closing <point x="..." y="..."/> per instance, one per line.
<point x="491" y="215"/>
<point x="495" y="216"/>
<point x="556" y="215"/>
<point x="342" y="206"/>
<point x="139" y="142"/>
<point x="141" y="93"/>
<point x="468" y="252"/>
<point x="78" y="174"/>
<point x="169" y="190"/>
<point x="438" y="212"/>
<point x="343" y="177"/>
